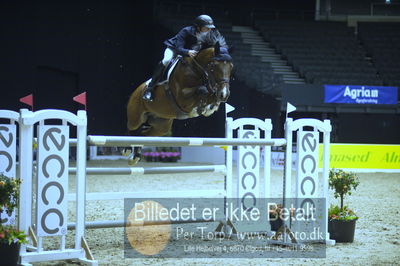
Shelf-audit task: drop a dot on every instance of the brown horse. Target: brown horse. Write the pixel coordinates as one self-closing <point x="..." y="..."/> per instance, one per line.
<point x="196" y="87"/>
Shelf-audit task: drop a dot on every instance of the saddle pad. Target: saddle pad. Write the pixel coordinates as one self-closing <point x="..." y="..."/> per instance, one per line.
<point x="173" y="65"/>
<point x="169" y="71"/>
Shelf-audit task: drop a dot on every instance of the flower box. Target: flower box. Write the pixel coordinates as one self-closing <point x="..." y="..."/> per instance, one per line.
<point x="162" y="156"/>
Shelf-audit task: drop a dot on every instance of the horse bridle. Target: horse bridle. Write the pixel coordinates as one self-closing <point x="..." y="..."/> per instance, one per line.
<point x="209" y="80"/>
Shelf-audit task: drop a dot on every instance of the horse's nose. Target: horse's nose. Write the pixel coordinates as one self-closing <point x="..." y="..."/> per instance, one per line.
<point x="224" y="94"/>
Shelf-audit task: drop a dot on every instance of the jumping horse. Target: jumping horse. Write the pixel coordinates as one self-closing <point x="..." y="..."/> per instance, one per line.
<point x="196" y="87"/>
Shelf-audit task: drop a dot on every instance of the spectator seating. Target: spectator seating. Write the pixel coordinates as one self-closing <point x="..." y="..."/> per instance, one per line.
<point x="322" y="52"/>
<point x="382" y="43"/>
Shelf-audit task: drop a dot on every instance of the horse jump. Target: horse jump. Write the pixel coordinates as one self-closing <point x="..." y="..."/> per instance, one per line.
<point x="197" y="86"/>
<point x="52" y="146"/>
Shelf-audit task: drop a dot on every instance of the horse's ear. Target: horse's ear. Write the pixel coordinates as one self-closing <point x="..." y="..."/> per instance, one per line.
<point x="217" y="50"/>
<point x="231" y="49"/>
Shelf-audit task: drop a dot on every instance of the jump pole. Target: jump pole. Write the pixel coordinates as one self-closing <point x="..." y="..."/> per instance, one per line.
<point x="123" y="141"/>
<point x="123" y="223"/>
<point x="152" y="170"/>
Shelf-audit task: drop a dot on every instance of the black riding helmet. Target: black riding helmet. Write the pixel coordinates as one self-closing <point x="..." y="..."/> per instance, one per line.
<point x="204" y="21"/>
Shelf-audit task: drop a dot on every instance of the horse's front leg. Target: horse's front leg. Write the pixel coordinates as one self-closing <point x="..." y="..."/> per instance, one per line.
<point x="203" y="94"/>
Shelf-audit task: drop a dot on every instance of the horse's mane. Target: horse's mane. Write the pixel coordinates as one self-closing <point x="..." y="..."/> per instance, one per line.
<point x="212" y="38"/>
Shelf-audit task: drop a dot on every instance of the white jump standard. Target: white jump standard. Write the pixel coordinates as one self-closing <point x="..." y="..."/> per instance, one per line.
<point x="51" y="209"/>
<point x="53" y="148"/>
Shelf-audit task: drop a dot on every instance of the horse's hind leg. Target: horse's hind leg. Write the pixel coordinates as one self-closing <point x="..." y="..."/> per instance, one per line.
<point x="136" y="112"/>
<point x="135" y="155"/>
<point x="137" y="116"/>
<point x="157" y="127"/>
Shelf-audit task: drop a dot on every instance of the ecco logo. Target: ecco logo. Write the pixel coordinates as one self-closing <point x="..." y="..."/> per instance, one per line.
<point x="249" y="168"/>
<point x="53" y="162"/>
<point x="6" y="141"/>
<point x="308" y="175"/>
<point x="7" y="162"/>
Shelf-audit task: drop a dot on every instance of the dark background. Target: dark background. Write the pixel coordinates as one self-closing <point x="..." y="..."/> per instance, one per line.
<point x="58" y="49"/>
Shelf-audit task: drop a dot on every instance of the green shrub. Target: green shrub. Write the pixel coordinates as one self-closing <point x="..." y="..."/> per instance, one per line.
<point x="342" y="183"/>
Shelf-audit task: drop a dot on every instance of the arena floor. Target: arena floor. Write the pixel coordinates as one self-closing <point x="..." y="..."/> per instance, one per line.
<point x="376" y="201"/>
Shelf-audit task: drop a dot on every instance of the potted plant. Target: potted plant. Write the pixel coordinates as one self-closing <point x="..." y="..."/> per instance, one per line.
<point x="341" y="219"/>
<point x="10" y="237"/>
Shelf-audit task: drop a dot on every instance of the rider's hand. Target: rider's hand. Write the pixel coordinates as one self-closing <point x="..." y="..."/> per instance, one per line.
<point x="192" y="53"/>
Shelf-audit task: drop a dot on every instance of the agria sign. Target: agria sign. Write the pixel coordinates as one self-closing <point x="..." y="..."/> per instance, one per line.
<point x="360" y="94"/>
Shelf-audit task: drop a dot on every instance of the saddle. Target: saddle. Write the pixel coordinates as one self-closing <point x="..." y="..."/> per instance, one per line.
<point x="167" y="72"/>
<point x="170" y="68"/>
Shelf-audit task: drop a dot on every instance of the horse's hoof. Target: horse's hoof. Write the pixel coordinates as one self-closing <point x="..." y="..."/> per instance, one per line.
<point x="126" y="152"/>
<point x="132" y="160"/>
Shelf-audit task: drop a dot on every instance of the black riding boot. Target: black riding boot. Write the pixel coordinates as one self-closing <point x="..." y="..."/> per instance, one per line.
<point x="148" y="94"/>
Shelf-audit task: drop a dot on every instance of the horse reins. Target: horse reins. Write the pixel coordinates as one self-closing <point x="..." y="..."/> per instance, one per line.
<point x="207" y="78"/>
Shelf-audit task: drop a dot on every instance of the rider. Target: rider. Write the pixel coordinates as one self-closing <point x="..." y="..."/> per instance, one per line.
<point x="187" y="42"/>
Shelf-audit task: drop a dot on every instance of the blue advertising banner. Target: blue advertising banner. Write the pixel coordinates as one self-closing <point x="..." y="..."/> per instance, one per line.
<point x="360" y="94"/>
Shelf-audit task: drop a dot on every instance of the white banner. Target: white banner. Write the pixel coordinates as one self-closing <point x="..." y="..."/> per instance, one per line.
<point x="248" y="168"/>
<point x="8" y="151"/>
<point x="307" y="201"/>
<point x="52" y="177"/>
<point x="307" y="164"/>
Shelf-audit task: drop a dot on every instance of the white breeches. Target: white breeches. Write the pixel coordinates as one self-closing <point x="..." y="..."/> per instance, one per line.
<point x="168" y="55"/>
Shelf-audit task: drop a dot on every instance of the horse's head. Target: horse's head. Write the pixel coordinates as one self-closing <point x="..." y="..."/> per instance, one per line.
<point x="217" y="64"/>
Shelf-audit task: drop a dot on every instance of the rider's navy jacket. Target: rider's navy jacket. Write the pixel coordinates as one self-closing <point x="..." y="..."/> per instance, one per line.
<point x="182" y="42"/>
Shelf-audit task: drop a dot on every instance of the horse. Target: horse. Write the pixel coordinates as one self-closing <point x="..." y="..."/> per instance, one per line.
<point x="196" y="87"/>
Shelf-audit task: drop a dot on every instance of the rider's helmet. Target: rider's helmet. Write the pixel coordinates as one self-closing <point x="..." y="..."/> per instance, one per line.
<point x="204" y="21"/>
